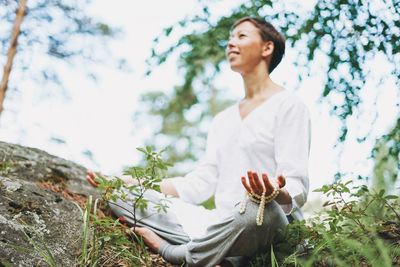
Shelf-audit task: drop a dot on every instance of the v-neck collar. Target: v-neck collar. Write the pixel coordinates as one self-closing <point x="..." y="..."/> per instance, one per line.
<point x="257" y="107"/>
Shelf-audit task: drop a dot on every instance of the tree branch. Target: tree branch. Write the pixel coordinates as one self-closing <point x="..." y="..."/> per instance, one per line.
<point x="21" y="11"/>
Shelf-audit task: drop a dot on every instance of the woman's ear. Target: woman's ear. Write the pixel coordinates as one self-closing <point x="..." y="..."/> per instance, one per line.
<point x="268" y="49"/>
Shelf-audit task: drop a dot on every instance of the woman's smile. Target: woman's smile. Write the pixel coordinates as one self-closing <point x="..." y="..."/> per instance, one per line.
<point x="231" y="54"/>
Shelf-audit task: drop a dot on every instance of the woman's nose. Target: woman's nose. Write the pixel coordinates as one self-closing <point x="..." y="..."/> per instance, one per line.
<point x="230" y="43"/>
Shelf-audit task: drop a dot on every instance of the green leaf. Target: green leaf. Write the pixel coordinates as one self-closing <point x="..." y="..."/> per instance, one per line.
<point x="157" y="188"/>
<point x="167" y="31"/>
<point x="381" y="193"/>
<point x="141" y="150"/>
<point x="162" y="167"/>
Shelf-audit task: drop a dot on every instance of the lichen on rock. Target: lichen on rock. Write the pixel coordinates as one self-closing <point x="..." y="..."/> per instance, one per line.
<point x="11" y="186"/>
<point x="55" y="217"/>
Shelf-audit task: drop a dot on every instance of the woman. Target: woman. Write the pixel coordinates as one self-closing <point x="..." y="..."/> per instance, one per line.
<point x="268" y="133"/>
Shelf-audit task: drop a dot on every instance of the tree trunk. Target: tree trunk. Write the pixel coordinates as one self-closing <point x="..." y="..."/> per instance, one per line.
<point x="12" y="50"/>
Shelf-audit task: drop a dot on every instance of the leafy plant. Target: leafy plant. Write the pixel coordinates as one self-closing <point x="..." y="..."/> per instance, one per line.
<point x="358" y="227"/>
<point x="144" y="179"/>
<point x="112" y="240"/>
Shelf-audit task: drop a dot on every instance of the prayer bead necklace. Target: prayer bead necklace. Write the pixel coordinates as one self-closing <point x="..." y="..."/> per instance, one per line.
<point x="261" y="200"/>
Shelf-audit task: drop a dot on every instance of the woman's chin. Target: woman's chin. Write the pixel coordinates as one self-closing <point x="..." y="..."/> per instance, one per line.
<point x="236" y="68"/>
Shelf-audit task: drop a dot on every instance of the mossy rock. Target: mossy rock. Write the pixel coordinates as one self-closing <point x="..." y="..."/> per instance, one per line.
<point x="48" y="194"/>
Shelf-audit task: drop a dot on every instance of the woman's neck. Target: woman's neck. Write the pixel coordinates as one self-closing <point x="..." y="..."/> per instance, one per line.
<point x="258" y="84"/>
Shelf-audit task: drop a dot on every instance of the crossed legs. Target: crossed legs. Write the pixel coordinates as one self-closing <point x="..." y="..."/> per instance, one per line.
<point x="236" y="235"/>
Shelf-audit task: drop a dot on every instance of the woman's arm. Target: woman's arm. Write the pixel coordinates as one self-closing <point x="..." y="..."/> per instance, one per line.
<point x="292" y="145"/>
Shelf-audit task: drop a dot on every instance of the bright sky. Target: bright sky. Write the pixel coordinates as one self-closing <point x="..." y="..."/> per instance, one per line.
<point x="98" y="116"/>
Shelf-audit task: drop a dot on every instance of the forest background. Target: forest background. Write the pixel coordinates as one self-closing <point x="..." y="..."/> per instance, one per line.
<point x="92" y="81"/>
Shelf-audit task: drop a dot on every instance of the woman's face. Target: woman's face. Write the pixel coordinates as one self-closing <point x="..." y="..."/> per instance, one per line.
<point x="245" y="48"/>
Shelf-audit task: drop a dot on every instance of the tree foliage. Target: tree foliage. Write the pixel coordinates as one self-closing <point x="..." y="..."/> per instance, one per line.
<point x="351" y="34"/>
<point x="342" y="37"/>
<point x="53" y="31"/>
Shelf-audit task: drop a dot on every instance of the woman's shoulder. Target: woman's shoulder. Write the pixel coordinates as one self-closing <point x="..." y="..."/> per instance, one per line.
<point x="291" y="105"/>
<point x="290" y="99"/>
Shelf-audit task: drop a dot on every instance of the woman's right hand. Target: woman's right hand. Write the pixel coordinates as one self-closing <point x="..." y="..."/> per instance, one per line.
<point x="90" y="178"/>
<point x="128" y="180"/>
<point x="255" y="185"/>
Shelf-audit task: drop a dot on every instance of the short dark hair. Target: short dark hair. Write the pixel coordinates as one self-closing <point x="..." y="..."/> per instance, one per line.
<point x="267" y="33"/>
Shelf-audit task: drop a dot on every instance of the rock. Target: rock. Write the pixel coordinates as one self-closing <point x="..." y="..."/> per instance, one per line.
<point x="35" y="165"/>
<point x="26" y="175"/>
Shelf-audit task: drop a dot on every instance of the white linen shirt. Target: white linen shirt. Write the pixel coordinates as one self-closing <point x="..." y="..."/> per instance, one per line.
<point x="273" y="139"/>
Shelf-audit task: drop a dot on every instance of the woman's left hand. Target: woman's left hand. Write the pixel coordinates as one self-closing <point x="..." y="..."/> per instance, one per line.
<point x="257" y="187"/>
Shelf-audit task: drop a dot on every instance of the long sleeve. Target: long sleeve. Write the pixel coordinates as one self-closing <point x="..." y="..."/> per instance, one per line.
<point x="292" y="146"/>
<point x="200" y="184"/>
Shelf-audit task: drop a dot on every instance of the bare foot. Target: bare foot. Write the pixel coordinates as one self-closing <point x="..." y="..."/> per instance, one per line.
<point x="151" y="239"/>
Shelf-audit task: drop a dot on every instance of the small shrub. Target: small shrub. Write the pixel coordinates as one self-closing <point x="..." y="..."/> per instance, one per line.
<point x="112" y="239"/>
<point x="358" y="227"/>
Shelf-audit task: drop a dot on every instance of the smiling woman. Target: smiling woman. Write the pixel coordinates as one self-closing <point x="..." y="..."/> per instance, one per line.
<point x="251" y="32"/>
<point x="267" y="134"/>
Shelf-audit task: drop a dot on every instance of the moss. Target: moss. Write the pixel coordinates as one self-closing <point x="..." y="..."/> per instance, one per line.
<point x="6" y="166"/>
<point x="19" y="208"/>
<point x="56" y="177"/>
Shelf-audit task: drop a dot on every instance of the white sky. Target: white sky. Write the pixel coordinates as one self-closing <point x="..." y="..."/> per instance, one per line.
<point x="98" y="116"/>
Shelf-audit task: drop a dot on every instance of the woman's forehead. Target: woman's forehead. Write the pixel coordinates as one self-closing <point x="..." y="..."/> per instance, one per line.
<point x="244" y="26"/>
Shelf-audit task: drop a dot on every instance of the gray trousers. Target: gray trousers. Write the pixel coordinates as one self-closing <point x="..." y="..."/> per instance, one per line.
<point x="237" y="235"/>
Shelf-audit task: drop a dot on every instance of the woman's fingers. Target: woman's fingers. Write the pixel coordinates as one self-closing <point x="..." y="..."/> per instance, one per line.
<point x="268" y="186"/>
<point x="245" y="184"/>
<point x="256" y="186"/>
<point x="253" y="183"/>
<point x="90" y="177"/>
<point x="258" y="183"/>
<point x="281" y="181"/>
<point x="126" y="179"/>
<point x="91" y="174"/>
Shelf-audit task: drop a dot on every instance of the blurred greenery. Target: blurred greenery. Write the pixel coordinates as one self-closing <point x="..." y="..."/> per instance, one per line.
<point x="342" y="37"/>
<point x="387" y="164"/>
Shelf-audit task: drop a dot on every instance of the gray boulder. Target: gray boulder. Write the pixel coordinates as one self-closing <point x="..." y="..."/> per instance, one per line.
<point x="54" y="215"/>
